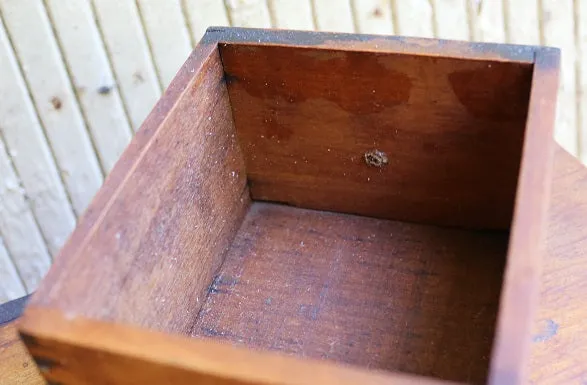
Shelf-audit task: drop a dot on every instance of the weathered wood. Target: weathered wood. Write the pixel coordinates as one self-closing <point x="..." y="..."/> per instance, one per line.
<point x="20" y="234"/>
<point x="92" y="78"/>
<point x="374" y="16"/>
<point x="16" y="365"/>
<point x="334" y="15"/>
<point x="12" y="285"/>
<point x="581" y="28"/>
<point x="31" y="156"/>
<point x="451" y="18"/>
<point x="251" y="13"/>
<point x="488" y="22"/>
<point x="558" y="30"/>
<point x="201" y="14"/>
<point x="129" y="54"/>
<point x="167" y="34"/>
<point x="289" y="14"/>
<point x="54" y="100"/>
<point x="523" y="21"/>
<point x="414" y="18"/>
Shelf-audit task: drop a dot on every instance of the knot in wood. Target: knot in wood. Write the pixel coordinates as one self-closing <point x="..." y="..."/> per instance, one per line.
<point x="376" y="158"/>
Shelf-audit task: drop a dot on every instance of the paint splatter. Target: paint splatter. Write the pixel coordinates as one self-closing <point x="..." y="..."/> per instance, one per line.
<point x="549" y="330"/>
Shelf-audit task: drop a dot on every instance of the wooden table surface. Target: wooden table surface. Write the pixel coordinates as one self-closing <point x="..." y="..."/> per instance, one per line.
<point x="559" y="351"/>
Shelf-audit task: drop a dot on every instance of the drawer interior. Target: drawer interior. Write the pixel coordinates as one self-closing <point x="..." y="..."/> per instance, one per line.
<point x="375" y="293"/>
<point x="340" y="205"/>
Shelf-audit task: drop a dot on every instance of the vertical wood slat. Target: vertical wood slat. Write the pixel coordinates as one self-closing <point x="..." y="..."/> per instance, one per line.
<point x="50" y="87"/>
<point x="248" y="13"/>
<point x="414" y="18"/>
<point x="201" y="14"/>
<point x="581" y="28"/>
<point x="289" y="14"/>
<point x="451" y="19"/>
<point x="19" y="230"/>
<point x="334" y="15"/>
<point x="91" y="77"/>
<point x="374" y="16"/>
<point x="11" y="286"/>
<point x="487" y="19"/>
<point x="168" y="36"/>
<point x="31" y="156"/>
<point x="558" y="31"/>
<point x="128" y="50"/>
<point x="523" y="22"/>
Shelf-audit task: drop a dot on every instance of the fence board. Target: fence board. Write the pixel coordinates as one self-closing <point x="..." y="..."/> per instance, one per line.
<point x="414" y="18"/>
<point x="202" y="14"/>
<point x="334" y="15"/>
<point x="48" y="82"/>
<point x="30" y="152"/>
<point x="558" y="30"/>
<point x="248" y="13"/>
<point x="487" y="19"/>
<point x="168" y="36"/>
<point x="18" y="228"/>
<point x="11" y="286"/>
<point x="92" y="77"/>
<point x="451" y="19"/>
<point x="129" y="54"/>
<point x="523" y="23"/>
<point x="581" y="18"/>
<point x="374" y="16"/>
<point x="289" y="14"/>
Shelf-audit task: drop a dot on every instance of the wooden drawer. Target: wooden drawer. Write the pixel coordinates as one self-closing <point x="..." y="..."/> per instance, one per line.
<point x="314" y="208"/>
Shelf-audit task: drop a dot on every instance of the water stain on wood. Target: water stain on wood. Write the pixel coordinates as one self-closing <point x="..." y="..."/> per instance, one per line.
<point x="357" y="83"/>
<point x="509" y="101"/>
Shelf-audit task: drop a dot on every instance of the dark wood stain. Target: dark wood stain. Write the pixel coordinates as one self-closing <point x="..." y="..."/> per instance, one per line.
<point x="506" y="100"/>
<point x="305" y="117"/>
<point x="355" y="82"/>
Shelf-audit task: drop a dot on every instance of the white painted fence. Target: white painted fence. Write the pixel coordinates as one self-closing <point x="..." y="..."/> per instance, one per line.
<point x="77" y="77"/>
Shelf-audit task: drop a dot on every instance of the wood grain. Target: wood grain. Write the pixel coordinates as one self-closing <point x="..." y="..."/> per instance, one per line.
<point x="106" y="353"/>
<point x="128" y="51"/>
<point x="167" y="235"/>
<point x="55" y="103"/>
<point x="12" y="285"/>
<point x="202" y="13"/>
<point x="558" y="26"/>
<point x="91" y="78"/>
<point x="40" y="178"/>
<point x="158" y="235"/>
<point x="559" y="349"/>
<point x="333" y="15"/>
<point x="526" y="247"/>
<point x="306" y="118"/>
<point x="368" y="292"/>
<point x="560" y="333"/>
<point x="374" y="16"/>
<point x="16" y="365"/>
<point x="167" y="34"/>
<point x="20" y="233"/>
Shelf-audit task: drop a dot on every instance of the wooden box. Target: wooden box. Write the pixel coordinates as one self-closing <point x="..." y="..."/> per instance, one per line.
<point x="313" y="208"/>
